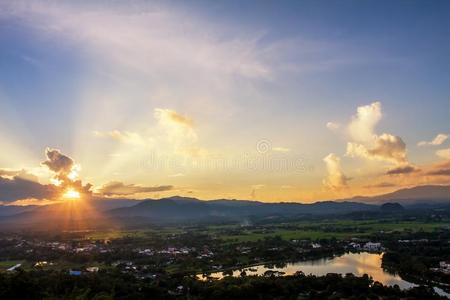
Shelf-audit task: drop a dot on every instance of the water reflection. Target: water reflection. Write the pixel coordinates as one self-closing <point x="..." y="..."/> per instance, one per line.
<point x="356" y="263"/>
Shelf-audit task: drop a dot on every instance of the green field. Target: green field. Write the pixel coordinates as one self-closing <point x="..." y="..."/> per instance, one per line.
<point x="340" y="229"/>
<point x="142" y="233"/>
<point x="325" y="230"/>
<point x="290" y="235"/>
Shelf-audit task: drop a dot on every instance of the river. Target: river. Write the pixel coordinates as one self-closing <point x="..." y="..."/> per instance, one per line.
<point x="356" y="263"/>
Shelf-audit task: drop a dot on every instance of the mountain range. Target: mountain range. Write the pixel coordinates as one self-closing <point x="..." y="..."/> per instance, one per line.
<point x="177" y="208"/>
<point x="424" y="194"/>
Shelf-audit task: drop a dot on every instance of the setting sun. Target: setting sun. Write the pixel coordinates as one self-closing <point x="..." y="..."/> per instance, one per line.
<point x="71" y="194"/>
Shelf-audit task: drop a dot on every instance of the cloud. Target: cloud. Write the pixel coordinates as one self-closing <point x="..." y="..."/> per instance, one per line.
<point x="367" y="144"/>
<point x="380" y="185"/>
<point x="333" y="126"/>
<point x="440" y="169"/>
<point x="387" y="148"/>
<point x="173" y="129"/>
<point x="440" y="172"/>
<point x="22" y="174"/>
<point x="435" y="173"/>
<point x="16" y="185"/>
<point x="6" y="172"/>
<point x="402" y="170"/>
<point x="179" y="131"/>
<point x="390" y="148"/>
<point x="171" y="116"/>
<point x="152" y="41"/>
<point x="58" y="162"/>
<point x="175" y="123"/>
<point x="125" y="137"/>
<point x="116" y="188"/>
<point x="65" y="171"/>
<point x="444" y="153"/>
<point x="18" y="188"/>
<point x="362" y="125"/>
<point x="438" y="140"/>
<point x="336" y="179"/>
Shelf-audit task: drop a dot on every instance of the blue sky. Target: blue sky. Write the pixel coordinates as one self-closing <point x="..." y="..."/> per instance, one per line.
<point x="111" y="83"/>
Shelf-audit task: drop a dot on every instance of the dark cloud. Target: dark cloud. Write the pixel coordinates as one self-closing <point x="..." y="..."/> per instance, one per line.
<point x="19" y="184"/>
<point x="58" y="162"/>
<point x="23" y="174"/>
<point x="19" y="188"/>
<point x="116" y="188"/>
<point x="440" y="169"/>
<point x="440" y="172"/>
<point x="63" y="166"/>
<point x="402" y="170"/>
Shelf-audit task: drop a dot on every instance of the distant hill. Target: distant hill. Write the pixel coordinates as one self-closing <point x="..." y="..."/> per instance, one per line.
<point x="420" y="194"/>
<point x="168" y="210"/>
<point x="392" y="208"/>
<point x="101" y="204"/>
<point x="177" y="208"/>
<point x="62" y="214"/>
<point x="104" y="212"/>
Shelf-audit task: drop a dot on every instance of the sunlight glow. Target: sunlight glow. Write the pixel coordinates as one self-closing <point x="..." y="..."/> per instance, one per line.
<point x="74" y="172"/>
<point x="71" y="194"/>
<point x="55" y="181"/>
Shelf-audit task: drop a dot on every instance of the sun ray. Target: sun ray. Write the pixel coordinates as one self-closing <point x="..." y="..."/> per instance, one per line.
<point x="71" y="194"/>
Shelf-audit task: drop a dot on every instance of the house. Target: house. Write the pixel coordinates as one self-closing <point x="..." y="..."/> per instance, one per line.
<point x="369" y="246"/>
<point x="75" y="272"/>
<point x="315" y="245"/>
<point x="92" y="269"/>
<point x="444" y="265"/>
<point x="41" y="263"/>
<point x="13" y="268"/>
<point x="355" y="246"/>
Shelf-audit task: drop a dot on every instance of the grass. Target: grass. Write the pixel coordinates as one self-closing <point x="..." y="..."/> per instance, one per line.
<point x="114" y="234"/>
<point x="140" y="233"/>
<point x="291" y="235"/>
<point x="325" y="230"/>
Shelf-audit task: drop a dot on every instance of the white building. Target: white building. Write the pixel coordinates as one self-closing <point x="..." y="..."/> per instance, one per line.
<point x="369" y="246"/>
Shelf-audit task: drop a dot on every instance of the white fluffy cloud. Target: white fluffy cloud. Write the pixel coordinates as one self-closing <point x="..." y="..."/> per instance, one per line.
<point x="368" y="144"/>
<point x="387" y="148"/>
<point x="336" y="179"/>
<point x="438" y="140"/>
<point x="362" y="125"/>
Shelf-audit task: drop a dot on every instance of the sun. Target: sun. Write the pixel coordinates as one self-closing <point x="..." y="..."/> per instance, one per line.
<point x="71" y="194"/>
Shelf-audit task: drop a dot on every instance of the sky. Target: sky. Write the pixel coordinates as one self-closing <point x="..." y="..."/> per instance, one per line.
<point x="261" y="100"/>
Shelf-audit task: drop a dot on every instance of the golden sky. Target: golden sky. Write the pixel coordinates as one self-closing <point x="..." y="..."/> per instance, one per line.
<point x="155" y="100"/>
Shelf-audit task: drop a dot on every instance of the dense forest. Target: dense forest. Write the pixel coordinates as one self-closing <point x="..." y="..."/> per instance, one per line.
<point x="115" y="285"/>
